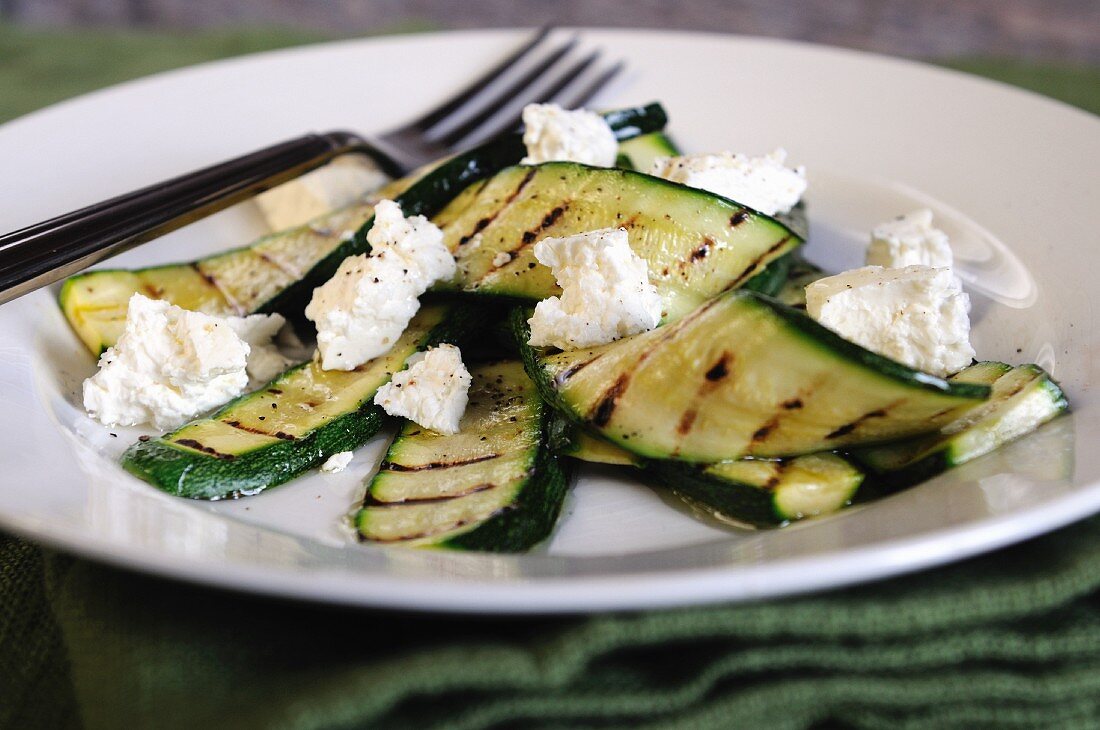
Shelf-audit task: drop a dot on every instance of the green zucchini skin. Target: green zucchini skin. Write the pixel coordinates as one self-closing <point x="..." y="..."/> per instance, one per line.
<point x="727" y="402"/>
<point x="773" y="278"/>
<point x="185" y="474"/>
<point x="736" y="502"/>
<point x="763" y="494"/>
<point x="640" y="152"/>
<point x="247" y="460"/>
<point x="532" y="516"/>
<point x="496" y="486"/>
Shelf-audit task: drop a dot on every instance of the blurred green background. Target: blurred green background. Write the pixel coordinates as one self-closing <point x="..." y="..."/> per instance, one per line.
<point x="53" y="49"/>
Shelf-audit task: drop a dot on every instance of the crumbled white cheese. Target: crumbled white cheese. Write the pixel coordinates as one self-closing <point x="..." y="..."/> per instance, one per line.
<point x="917" y="315"/>
<point x="337" y="462"/>
<point x="909" y="240"/>
<point x="432" y="391"/>
<point x="502" y="259"/>
<point x="362" y="310"/>
<point x="168" y="365"/>
<point x="763" y="183"/>
<point x="264" y="359"/>
<point x="606" y="292"/>
<point x="341" y="182"/>
<point x="552" y="133"/>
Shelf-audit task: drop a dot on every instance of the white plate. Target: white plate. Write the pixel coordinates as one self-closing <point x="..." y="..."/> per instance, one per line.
<point x="1010" y="175"/>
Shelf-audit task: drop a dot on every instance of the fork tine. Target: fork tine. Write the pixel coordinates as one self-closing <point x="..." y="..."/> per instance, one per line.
<point x="511" y="121"/>
<point x="581" y="97"/>
<point x="572" y="74"/>
<point x="554" y="94"/>
<point x="460" y="98"/>
<point x="493" y="106"/>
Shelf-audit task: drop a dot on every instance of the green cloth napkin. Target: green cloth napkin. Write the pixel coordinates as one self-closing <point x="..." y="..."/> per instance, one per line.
<point x="1007" y="640"/>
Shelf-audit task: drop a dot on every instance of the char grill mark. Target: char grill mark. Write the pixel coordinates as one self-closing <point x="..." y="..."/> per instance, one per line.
<point x="762" y="433"/>
<point x="756" y="262"/>
<point x="252" y="429"/>
<point x="720" y="369"/>
<point x="279" y="265"/>
<point x="686" y="421"/>
<point x="372" y="501"/>
<point x="574" y="369"/>
<point x="852" y="426"/>
<point x="389" y="466"/>
<point x="605" y="409"/>
<point x="484" y="222"/>
<point x="199" y="446"/>
<point x="702" y="250"/>
<point x="213" y="281"/>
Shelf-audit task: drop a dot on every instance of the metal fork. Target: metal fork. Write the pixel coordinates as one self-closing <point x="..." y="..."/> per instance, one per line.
<point x="540" y="71"/>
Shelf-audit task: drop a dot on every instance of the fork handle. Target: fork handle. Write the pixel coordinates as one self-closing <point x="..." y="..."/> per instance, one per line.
<point x="45" y="252"/>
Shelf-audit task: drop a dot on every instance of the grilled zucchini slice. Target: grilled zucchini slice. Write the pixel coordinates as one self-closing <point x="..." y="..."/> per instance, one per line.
<point x="1022" y="398"/>
<point x="237" y="282"/>
<point x="800" y="275"/>
<point x="640" y="152"/>
<point x="295" y="422"/>
<point x="766" y="493"/>
<point x="752" y="492"/>
<point x="494" y="486"/>
<point x="696" y="244"/>
<point x="742" y="375"/>
<point x="773" y="278"/>
<point x="763" y="493"/>
<point x="568" y="439"/>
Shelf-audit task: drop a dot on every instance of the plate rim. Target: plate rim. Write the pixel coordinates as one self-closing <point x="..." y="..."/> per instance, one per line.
<point x="554" y="595"/>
